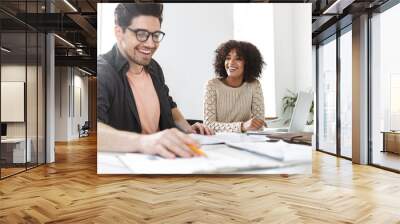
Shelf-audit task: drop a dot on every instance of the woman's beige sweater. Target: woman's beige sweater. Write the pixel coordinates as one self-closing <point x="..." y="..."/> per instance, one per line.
<point x="225" y="107"/>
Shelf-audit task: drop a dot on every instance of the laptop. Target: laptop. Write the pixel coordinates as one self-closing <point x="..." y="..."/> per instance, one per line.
<point x="299" y="117"/>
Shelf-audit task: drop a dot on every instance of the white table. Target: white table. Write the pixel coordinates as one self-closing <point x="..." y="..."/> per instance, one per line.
<point x="111" y="163"/>
<point x="19" y="155"/>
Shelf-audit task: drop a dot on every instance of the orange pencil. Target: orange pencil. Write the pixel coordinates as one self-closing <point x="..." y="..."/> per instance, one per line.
<point x="197" y="150"/>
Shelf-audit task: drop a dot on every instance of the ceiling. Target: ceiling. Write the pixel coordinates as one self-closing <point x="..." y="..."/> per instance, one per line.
<point x="76" y="21"/>
<point x="76" y="25"/>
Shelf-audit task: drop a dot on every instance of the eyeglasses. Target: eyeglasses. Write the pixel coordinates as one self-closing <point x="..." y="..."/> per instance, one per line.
<point x="143" y="35"/>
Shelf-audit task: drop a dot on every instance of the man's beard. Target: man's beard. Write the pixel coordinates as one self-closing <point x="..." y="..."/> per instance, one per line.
<point x="135" y="59"/>
<point x="139" y="62"/>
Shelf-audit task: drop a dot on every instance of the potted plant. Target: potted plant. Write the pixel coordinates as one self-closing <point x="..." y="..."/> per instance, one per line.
<point x="288" y="103"/>
<point x="310" y="120"/>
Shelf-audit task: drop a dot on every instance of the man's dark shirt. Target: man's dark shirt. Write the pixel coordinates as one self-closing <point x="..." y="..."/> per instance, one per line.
<point x="115" y="102"/>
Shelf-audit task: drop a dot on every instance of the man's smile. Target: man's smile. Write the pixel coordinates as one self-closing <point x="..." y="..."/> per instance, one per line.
<point x="145" y="51"/>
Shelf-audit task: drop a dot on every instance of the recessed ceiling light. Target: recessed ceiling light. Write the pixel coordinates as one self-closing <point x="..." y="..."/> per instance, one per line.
<point x="64" y="40"/>
<point x="338" y="6"/>
<point x="5" y="50"/>
<point x="70" y="5"/>
<point x="86" y="72"/>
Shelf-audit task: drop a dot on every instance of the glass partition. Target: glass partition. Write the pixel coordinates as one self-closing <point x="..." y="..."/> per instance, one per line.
<point x="41" y="109"/>
<point x="346" y="94"/>
<point x="385" y="89"/>
<point x="31" y="99"/>
<point x="327" y="96"/>
<point x="13" y="103"/>
<point x="22" y="89"/>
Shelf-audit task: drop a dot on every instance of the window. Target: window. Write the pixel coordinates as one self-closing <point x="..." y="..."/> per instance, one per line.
<point x="346" y="93"/>
<point x="385" y="86"/>
<point x="327" y="96"/>
<point x="394" y="101"/>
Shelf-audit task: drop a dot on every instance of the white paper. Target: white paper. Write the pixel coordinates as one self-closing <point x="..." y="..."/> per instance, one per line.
<point x="206" y="139"/>
<point x="239" y="137"/>
<point x="267" y="131"/>
<point x="215" y="162"/>
<point x="220" y="158"/>
<point x="282" y="151"/>
<point x="224" y="137"/>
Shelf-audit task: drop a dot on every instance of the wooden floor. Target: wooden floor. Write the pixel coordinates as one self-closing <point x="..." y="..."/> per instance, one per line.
<point x="10" y="171"/>
<point x="386" y="159"/>
<point x="5" y="172"/>
<point x="70" y="191"/>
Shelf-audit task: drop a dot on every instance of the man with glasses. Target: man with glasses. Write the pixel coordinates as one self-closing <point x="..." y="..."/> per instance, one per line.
<point x="132" y="95"/>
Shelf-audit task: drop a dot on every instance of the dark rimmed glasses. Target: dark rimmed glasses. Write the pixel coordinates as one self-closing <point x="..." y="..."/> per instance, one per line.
<point x="142" y="35"/>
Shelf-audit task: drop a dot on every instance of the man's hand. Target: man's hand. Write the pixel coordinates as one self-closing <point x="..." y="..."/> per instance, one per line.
<point x="169" y="143"/>
<point x="253" y="124"/>
<point x="183" y="125"/>
<point x="202" y="129"/>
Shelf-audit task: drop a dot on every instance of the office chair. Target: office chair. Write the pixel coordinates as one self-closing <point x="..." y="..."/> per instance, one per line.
<point x="84" y="130"/>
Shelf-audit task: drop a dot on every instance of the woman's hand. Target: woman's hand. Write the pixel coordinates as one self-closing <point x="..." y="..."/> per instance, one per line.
<point x="202" y="129"/>
<point x="253" y="124"/>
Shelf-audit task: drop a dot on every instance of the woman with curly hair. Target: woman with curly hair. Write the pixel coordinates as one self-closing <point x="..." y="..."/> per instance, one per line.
<point x="234" y="100"/>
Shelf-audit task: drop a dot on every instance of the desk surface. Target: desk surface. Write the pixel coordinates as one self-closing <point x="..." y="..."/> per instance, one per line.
<point x="391" y="132"/>
<point x="111" y="163"/>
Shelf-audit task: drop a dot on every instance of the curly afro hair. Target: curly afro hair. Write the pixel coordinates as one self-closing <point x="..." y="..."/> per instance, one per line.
<point x="253" y="61"/>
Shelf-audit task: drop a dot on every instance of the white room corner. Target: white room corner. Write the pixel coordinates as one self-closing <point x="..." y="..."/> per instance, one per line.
<point x="71" y="102"/>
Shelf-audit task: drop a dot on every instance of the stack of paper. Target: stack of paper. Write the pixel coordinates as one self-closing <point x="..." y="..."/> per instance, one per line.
<point x="281" y="151"/>
<point x="226" y="153"/>
<point x="215" y="162"/>
<point x="221" y="138"/>
<point x="267" y="131"/>
<point x="206" y="139"/>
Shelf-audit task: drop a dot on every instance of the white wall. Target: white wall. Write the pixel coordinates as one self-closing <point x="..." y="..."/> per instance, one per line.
<point x="61" y="103"/>
<point x="68" y="81"/>
<point x="249" y="18"/>
<point x="193" y="32"/>
<point x="292" y="30"/>
<point x="105" y="27"/>
<point x="302" y="43"/>
<point x="284" y="53"/>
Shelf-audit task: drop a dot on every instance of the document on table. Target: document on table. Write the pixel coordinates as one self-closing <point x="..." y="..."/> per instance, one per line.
<point x="267" y="131"/>
<point x="206" y="139"/>
<point x="215" y="162"/>
<point x="281" y="151"/>
<point x="221" y="138"/>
